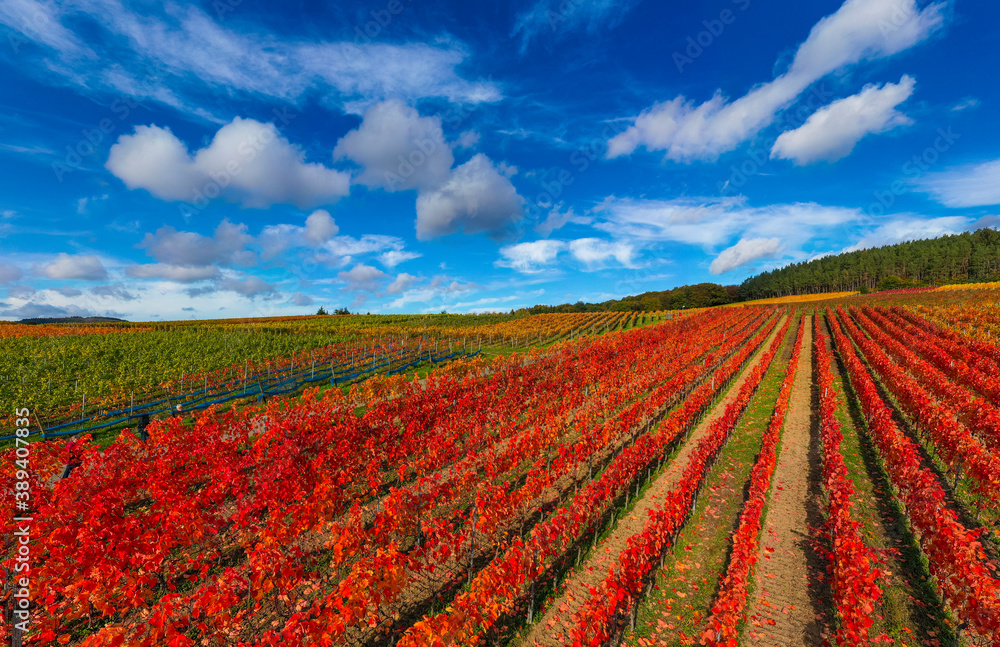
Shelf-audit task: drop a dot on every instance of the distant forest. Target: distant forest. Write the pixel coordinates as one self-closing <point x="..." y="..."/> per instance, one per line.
<point x="967" y="257"/>
<point x="972" y="256"/>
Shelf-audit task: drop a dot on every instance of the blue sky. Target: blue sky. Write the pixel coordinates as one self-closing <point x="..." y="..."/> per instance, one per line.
<point x="241" y="158"/>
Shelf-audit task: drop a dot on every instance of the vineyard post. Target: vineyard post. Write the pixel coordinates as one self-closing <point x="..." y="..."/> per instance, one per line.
<point x="472" y="548"/>
<point x="531" y="596"/>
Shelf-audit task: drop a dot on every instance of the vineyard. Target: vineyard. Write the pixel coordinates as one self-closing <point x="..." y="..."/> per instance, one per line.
<point x="816" y="471"/>
<point x="104" y="377"/>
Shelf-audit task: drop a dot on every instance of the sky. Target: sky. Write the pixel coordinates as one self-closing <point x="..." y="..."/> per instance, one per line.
<point x="238" y="158"/>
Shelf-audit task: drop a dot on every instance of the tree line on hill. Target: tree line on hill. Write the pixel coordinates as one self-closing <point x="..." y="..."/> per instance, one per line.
<point x="960" y="258"/>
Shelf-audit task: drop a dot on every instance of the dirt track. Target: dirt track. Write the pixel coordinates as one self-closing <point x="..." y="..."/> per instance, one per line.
<point x="786" y="609"/>
<point x="552" y="628"/>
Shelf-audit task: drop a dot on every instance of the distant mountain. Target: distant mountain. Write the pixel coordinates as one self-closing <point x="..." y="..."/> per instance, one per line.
<point x="71" y="320"/>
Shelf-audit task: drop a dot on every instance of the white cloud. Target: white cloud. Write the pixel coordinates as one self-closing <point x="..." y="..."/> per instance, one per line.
<point x="974" y="185"/>
<point x="66" y="291"/>
<point x="557" y="219"/>
<point x="21" y="292"/>
<point x="319" y="229"/>
<point x="340" y="251"/>
<point x="9" y="273"/>
<point x="711" y="222"/>
<point x="439" y="289"/>
<point x="467" y="139"/>
<point x="115" y="292"/>
<point x="247" y="162"/>
<point x="394" y="257"/>
<point x="187" y="51"/>
<point x="476" y="198"/>
<point x="595" y="252"/>
<point x="745" y="251"/>
<point x="362" y="278"/>
<point x="397" y="148"/>
<point x="178" y="273"/>
<point x="551" y="18"/>
<point x="79" y="267"/>
<point x="965" y="104"/>
<point x="250" y="287"/>
<point x="227" y="246"/>
<point x="402" y="283"/>
<point x="831" y="133"/>
<point x="909" y="228"/>
<point x="301" y="299"/>
<point x="859" y="30"/>
<point x="530" y="258"/>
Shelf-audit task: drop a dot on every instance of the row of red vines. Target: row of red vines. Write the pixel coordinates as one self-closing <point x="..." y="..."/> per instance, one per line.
<point x="621" y="588"/>
<point x="497" y="588"/>
<point x="964" y="574"/>
<point x="853" y="565"/>
<point x="729" y="608"/>
<point x="977" y="414"/>
<point x="983" y="355"/>
<point x="957" y="445"/>
<point x="956" y="361"/>
<point x="495" y="507"/>
<point x="136" y="518"/>
<point x="600" y="436"/>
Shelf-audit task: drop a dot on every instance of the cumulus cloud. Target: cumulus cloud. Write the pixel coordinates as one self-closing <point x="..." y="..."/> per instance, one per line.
<point x="477" y="197"/>
<point x="745" y="251"/>
<point x="250" y="287"/>
<point x="859" y="30"/>
<point x="402" y="283"/>
<point x="397" y="149"/>
<point x="974" y="185"/>
<point x="178" y="273"/>
<point x="117" y="292"/>
<point x="301" y="299"/>
<point x="227" y="246"/>
<point x="247" y="162"/>
<point x="467" y="139"/>
<point x="21" y="292"/>
<point x="831" y="133"/>
<point x="319" y="229"/>
<point x="530" y="258"/>
<point x="79" y="267"/>
<point x="65" y="291"/>
<point x="362" y="278"/>
<point x="9" y="273"/>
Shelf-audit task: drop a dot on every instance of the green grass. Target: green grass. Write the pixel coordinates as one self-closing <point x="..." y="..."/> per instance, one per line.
<point x="697" y="563"/>
<point x="911" y="607"/>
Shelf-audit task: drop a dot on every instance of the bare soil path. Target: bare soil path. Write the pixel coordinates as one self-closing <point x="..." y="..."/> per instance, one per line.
<point x="552" y="629"/>
<point x="788" y="607"/>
